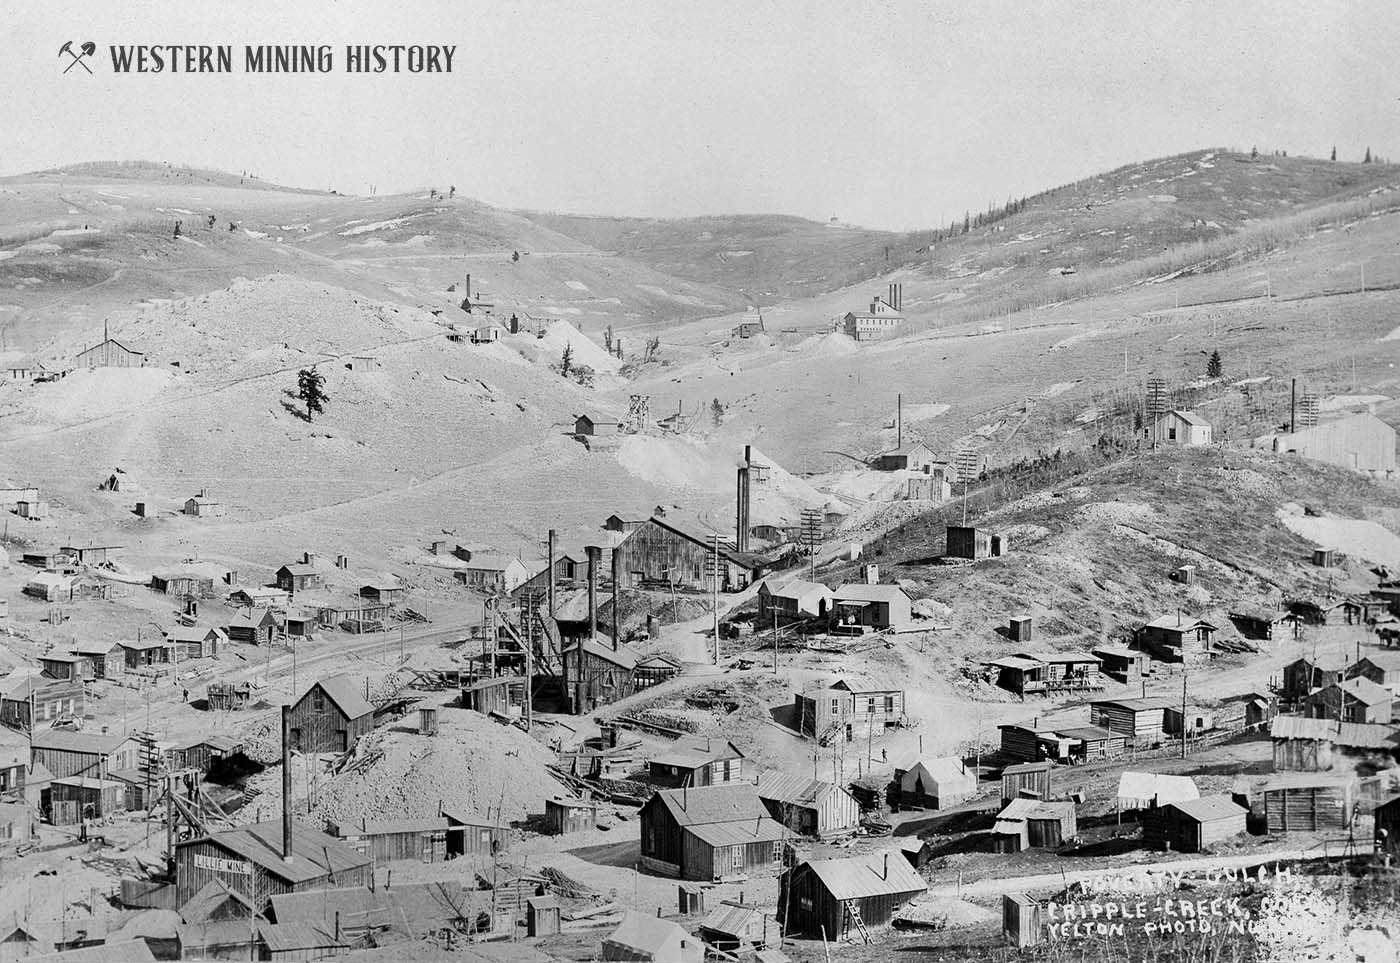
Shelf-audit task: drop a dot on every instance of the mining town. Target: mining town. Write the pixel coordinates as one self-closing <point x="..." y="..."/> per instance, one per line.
<point x="405" y="571"/>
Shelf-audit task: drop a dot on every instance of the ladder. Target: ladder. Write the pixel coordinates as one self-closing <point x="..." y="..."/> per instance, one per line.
<point x="854" y="910"/>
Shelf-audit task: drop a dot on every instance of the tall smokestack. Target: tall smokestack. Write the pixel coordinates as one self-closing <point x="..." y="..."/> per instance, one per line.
<point x="286" y="784"/>
<point x="745" y="497"/>
<point x="739" y="508"/>
<point x="616" y="596"/>
<point x="593" y="552"/>
<point x="550" y="581"/>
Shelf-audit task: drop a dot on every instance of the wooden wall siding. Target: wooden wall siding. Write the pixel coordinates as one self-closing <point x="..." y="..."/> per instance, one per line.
<point x="810" y="907"/>
<point x="1307" y="809"/>
<point x="653" y="553"/>
<point x="473" y="840"/>
<point x="91" y="801"/>
<point x="702" y="862"/>
<point x="1302" y="755"/>
<point x="1020" y="744"/>
<point x="661" y="836"/>
<point x="1051" y="833"/>
<point x="1388" y="819"/>
<point x="1165" y="827"/>
<point x="1038" y="782"/>
<point x="837" y="812"/>
<point x="326" y="729"/>
<point x="189" y="878"/>
<point x="594" y="681"/>
<point x="423" y="847"/>
<point x="1143" y="726"/>
<point x="816" y="715"/>
<point x="66" y="762"/>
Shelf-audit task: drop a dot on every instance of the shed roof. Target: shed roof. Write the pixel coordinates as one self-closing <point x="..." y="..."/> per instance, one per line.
<point x="289" y="937"/>
<point x="1017" y="662"/>
<point x="796" y="589"/>
<point x="126" y="951"/>
<point x="1136" y="705"/>
<point x="860" y="877"/>
<point x="73" y="740"/>
<point x="732" y="918"/>
<point x="1089" y="733"/>
<point x="1353" y="735"/>
<point x="739" y="833"/>
<point x="793" y="789"/>
<point x="1365" y="691"/>
<point x="712" y="804"/>
<point x="1209" y="808"/>
<point x="1180" y="623"/>
<point x="861" y="592"/>
<point x="1061" y="657"/>
<point x="624" y="657"/>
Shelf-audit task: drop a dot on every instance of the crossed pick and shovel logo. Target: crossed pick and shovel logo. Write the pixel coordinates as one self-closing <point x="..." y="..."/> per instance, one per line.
<point x="83" y="52"/>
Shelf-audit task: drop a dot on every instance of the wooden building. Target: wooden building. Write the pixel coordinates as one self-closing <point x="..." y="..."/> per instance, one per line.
<point x="1034" y="824"/>
<point x="69" y="752"/>
<point x="1314" y="610"/>
<point x="826" y="897"/>
<point x="258" y="597"/>
<point x="196" y="641"/>
<point x="588" y="426"/>
<point x="297" y="942"/>
<point x="1195" y="825"/>
<point x="48" y="586"/>
<point x="72" y="799"/>
<point x="1308" y="802"/>
<point x="1262" y="624"/>
<point x="974" y="543"/>
<point x="493" y="573"/>
<point x="1176" y="638"/>
<point x="330" y="716"/>
<point x="655" y="669"/>
<point x="840" y="711"/>
<point x="187" y="584"/>
<point x="1302" y="676"/>
<point x="668" y="845"/>
<point x="738" y="927"/>
<point x="249" y="861"/>
<point x="1357" y="699"/>
<point x="597" y="675"/>
<point x="1178" y="428"/>
<point x="809" y="806"/>
<point x="663" y="553"/>
<point x="14" y="767"/>
<point x="386" y="593"/>
<point x="147" y="653"/>
<point x="1142" y="720"/>
<point x="1379" y="666"/>
<point x="203" y="506"/>
<point x="504" y="695"/>
<point x="794" y="600"/>
<point x="109" y="353"/>
<point x="1190" y="720"/>
<point x="642" y="938"/>
<point x="697" y="761"/>
<point x="1021" y="920"/>
<point x="255" y="627"/>
<point x="1033" y="743"/>
<point x="876" y="607"/>
<point x="731" y="851"/>
<point x="933" y="783"/>
<point x="563" y="816"/>
<point x="1093" y="742"/>
<point x="200" y="754"/>
<point x="1315" y="745"/>
<point x="299" y="576"/>
<point x="89" y="554"/>
<point x="471" y="835"/>
<point x="1361" y="442"/>
<point x="911" y="456"/>
<point x="1387" y="826"/>
<point x="33" y="700"/>
<point x="64" y="666"/>
<point x="422" y="840"/>
<point x="1025" y="780"/>
<point x="542" y="916"/>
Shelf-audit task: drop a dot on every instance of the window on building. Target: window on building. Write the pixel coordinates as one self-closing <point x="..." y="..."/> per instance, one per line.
<point x="738" y="859"/>
<point x="1171" y="434"/>
<point x="835" y="706"/>
<point x="777" y="850"/>
<point x="318" y="700"/>
<point x="726" y="770"/>
<point x="806" y="903"/>
<point x="870" y="705"/>
<point x="889" y="703"/>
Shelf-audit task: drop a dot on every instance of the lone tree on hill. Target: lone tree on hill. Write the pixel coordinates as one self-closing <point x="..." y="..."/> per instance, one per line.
<point x="717" y="412"/>
<point x="1367" y="158"/>
<point x="1334" y="153"/>
<point x="311" y="389"/>
<point x="566" y="361"/>
<point x="608" y="339"/>
<point x="514" y="257"/>
<point x="1213" y="366"/>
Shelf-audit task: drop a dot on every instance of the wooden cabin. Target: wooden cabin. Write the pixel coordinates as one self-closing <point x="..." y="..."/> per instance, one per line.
<point x="64" y="666"/>
<point x="472" y="835"/>
<point x="1379" y="666"/>
<point x="738" y="927"/>
<point x="1191" y="720"/>
<point x="72" y="799"/>
<point x="974" y="543"/>
<point x="1093" y="742"/>
<point x="201" y="754"/>
<point x="1308" y="802"/>
<point x="840" y="711"/>
<point x="1195" y="825"/>
<point x="255" y="627"/>
<point x="32" y="700"/>
<point x="697" y="761"/>
<point x="1034" y="824"/>
<point x="1176" y="638"/>
<point x="876" y="607"/>
<point x="106" y="660"/>
<point x="796" y="599"/>
<point x="825" y="896"/>
<point x="504" y="695"/>
<point x="70" y="752"/>
<point x="1357" y="699"/>
<point x="1032" y="743"/>
<point x="196" y="641"/>
<point x="671" y="847"/>
<point x="563" y="816"/>
<point x="597" y="675"/>
<point x="933" y="783"/>
<point x="422" y="840"/>
<point x="1027" y="778"/>
<point x="1143" y="721"/>
<point x="1303" y="744"/>
<point x="1125" y="665"/>
<point x="1302" y="676"/>
<point x="1265" y="625"/>
<point x="330" y="716"/>
<point x="811" y="807"/>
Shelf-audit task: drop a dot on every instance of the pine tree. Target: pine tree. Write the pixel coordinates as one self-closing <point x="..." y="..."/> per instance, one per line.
<point x="311" y="389"/>
<point x="716" y="412"/>
<point x="514" y="256"/>
<point x="1253" y="153"/>
<point x="1334" y="152"/>
<point x="1367" y="158"/>
<point x="608" y="338"/>
<point x="1213" y="366"/>
<point x="566" y="361"/>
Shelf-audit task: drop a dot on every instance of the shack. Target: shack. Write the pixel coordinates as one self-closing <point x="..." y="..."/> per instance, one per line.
<point x="1308" y="802"/>
<point x="876" y="607"/>
<point x="811" y="807"/>
<point x="71" y="799"/>
<point x="1143" y="721"/>
<point x="504" y="695"/>
<point x="69" y="752"/>
<point x="471" y="835"/>
<point x="1176" y="638"/>
<point x="422" y="840"/>
<point x="1195" y="825"/>
<point x="1303" y="744"/>
<point x="1357" y="699"/>
<point x="598" y="675"/>
<point x="1125" y="665"/>
<point x="1033" y="824"/>
<point x="796" y="599"/>
<point x="196" y="641"/>
<point x="201" y="754"/>
<point x="738" y="927"/>
<point x="669" y="845"/>
<point x="838" y="898"/>
<point x="1144" y="790"/>
<point x="974" y="543"/>
<point x="1025" y="780"/>
<point x="330" y="716"/>
<point x="563" y="816"/>
<point x="147" y="653"/>
<point x="255" y="627"/>
<point x="696" y="761"/>
<point x="641" y="938"/>
<point x="841" y="711"/>
<point x="933" y="783"/>
<point x="106" y="660"/>
<point x="1262" y="624"/>
<point x="1302" y="676"/>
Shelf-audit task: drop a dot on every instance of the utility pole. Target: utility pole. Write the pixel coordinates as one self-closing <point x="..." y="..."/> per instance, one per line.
<point x="899" y="421"/>
<point x="714" y="593"/>
<point x="1183" y="709"/>
<point x="775" y="641"/>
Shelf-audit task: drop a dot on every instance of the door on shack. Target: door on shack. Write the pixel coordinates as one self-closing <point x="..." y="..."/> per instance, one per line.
<point x="341" y="740"/>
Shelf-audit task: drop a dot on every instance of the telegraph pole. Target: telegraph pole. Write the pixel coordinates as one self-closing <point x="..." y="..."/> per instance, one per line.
<point x="714" y="591"/>
<point x="1183" y="709"/>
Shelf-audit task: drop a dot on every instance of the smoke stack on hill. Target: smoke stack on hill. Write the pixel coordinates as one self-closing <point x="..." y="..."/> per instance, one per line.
<point x="592" y="551"/>
<point x="286" y="784"/>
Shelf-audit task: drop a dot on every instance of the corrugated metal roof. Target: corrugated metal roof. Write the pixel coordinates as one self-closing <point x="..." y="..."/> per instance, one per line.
<point x="1209" y="808"/>
<point x="859" y="877"/>
<point x="788" y="788"/>
<point x="741" y="832"/>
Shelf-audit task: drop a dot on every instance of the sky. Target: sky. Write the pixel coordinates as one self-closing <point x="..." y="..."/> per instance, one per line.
<point x="895" y="115"/>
